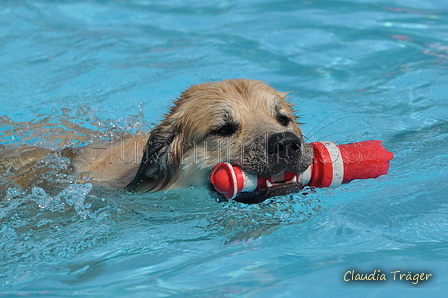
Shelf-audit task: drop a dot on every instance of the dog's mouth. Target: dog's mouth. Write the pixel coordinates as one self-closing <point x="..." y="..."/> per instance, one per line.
<point x="282" y="171"/>
<point x="272" y="189"/>
<point x="277" y="185"/>
<point x="235" y="183"/>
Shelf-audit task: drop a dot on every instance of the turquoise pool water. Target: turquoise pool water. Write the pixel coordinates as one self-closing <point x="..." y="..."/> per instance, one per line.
<point x="357" y="70"/>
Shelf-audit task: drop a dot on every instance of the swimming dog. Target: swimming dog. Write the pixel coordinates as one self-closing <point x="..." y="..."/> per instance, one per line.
<point x="244" y="122"/>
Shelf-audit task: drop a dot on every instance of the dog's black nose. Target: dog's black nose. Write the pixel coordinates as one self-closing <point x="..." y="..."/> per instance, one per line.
<point x="285" y="144"/>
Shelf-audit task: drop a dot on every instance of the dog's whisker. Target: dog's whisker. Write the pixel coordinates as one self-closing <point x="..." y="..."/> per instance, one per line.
<point x="313" y="131"/>
<point x="346" y="134"/>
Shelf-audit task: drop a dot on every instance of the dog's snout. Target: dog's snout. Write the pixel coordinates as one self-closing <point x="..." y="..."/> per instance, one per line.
<point x="286" y="145"/>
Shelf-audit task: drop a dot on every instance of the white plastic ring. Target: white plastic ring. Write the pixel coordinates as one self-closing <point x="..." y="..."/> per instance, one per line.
<point x="337" y="163"/>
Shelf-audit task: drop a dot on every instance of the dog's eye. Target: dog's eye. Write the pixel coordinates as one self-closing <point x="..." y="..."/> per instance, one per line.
<point x="283" y="120"/>
<point x="226" y="130"/>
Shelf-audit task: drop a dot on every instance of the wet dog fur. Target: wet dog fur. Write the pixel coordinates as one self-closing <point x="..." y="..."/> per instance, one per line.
<point x="243" y="122"/>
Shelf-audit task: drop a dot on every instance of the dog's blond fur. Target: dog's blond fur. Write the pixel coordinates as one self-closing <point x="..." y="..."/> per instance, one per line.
<point x="184" y="148"/>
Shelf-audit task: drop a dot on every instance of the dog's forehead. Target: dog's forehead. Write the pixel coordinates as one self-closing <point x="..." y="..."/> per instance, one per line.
<point x="234" y="95"/>
<point x="209" y="105"/>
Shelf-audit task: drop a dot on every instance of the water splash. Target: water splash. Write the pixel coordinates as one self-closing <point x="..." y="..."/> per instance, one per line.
<point x="39" y="231"/>
<point x="73" y="196"/>
<point x="65" y="128"/>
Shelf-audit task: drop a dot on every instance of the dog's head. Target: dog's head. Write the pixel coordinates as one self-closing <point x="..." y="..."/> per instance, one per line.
<point x="244" y="122"/>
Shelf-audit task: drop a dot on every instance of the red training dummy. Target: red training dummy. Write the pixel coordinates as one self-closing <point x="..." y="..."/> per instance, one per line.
<point x="332" y="165"/>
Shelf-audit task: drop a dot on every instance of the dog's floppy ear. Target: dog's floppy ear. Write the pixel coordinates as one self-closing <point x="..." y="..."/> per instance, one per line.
<point x="158" y="165"/>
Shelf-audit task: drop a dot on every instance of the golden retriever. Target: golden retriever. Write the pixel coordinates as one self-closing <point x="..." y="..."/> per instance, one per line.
<point x="244" y="122"/>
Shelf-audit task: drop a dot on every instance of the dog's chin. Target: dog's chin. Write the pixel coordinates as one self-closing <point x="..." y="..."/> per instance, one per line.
<point x="261" y="194"/>
<point x="275" y="189"/>
<point x="270" y="170"/>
